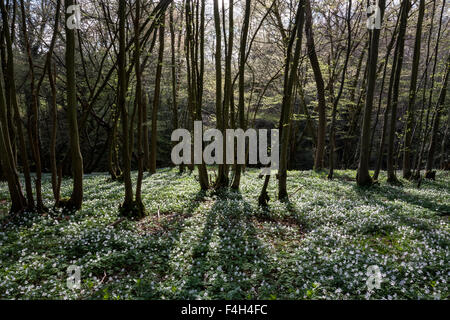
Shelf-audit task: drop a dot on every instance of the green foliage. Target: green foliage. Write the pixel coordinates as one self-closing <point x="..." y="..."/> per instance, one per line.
<point x="222" y="245"/>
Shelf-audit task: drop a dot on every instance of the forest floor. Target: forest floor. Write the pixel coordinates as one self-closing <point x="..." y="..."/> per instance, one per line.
<point x="195" y="245"/>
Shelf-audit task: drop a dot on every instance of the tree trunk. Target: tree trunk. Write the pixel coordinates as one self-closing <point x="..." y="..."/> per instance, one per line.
<point x="433" y="74"/>
<point x="444" y="161"/>
<point x="77" y="160"/>
<point x="398" y="56"/>
<point x="289" y="78"/>
<point x="139" y="205"/>
<point x="156" y="101"/>
<point x="54" y="112"/>
<point x="174" y="73"/>
<point x="321" y="103"/>
<point x="145" y="142"/>
<point x="241" y="104"/>
<point x="34" y="125"/>
<point x="341" y="88"/>
<point x="221" y="181"/>
<point x="195" y="70"/>
<point x="18" y="202"/>
<point x="380" y="98"/>
<point x="412" y="94"/>
<point x="354" y="116"/>
<point x="439" y="110"/>
<point x="15" y="107"/>
<point x="127" y="204"/>
<point x="363" y="176"/>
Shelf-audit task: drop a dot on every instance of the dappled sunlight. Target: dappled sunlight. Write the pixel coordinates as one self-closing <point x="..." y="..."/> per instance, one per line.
<point x="212" y="245"/>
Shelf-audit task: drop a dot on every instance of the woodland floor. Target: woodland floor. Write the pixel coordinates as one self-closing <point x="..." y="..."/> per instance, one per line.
<point x="222" y="246"/>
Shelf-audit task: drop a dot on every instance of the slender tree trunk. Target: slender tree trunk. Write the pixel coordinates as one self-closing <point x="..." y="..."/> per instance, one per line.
<point x="156" y="101"/>
<point x="174" y="73"/>
<point x="145" y="139"/>
<point x="113" y="165"/>
<point x="321" y="102"/>
<point x="418" y="155"/>
<point x="388" y="101"/>
<point x="433" y="74"/>
<point x="241" y="105"/>
<point x="429" y="174"/>
<point x="228" y="103"/>
<point x="8" y="94"/>
<point x="18" y="202"/>
<point x="34" y="130"/>
<point x="263" y="198"/>
<point x="77" y="160"/>
<point x="341" y="88"/>
<point x="221" y="178"/>
<point x="380" y="98"/>
<point x="15" y="106"/>
<point x="195" y="69"/>
<point x="398" y="55"/>
<point x="203" y="172"/>
<point x="353" y="115"/>
<point x="180" y="62"/>
<point x="56" y="185"/>
<point x="443" y="163"/>
<point x="292" y="63"/>
<point x="127" y="204"/>
<point x="132" y="118"/>
<point x="363" y="176"/>
<point x="412" y="94"/>
<point x="54" y="112"/>
<point x="140" y="209"/>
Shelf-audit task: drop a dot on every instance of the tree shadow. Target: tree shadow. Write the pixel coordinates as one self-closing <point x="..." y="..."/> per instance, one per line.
<point x="389" y="192"/>
<point x="154" y="233"/>
<point x="228" y="260"/>
<point x="164" y="241"/>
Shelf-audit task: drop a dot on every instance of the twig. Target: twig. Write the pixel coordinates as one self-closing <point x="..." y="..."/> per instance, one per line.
<point x="117" y="222"/>
<point x="295" y="191"/>
<point x="101" y="281"/>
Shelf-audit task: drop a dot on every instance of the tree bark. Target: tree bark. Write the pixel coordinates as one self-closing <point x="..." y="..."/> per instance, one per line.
<point x="76" y="199"/>
<point x="174" y="73"/>
<point x="54" y="112"/>
<point x="363" y="177"/>
<point x="18" y="202"/>
<point x="321" y="102"/>
<point x="380" y="98"/>
<point x="412" y="94"/>
<point x="433" y="74"/>
<point x="398" y="56"/>
<point x="156" y="101"/>
<point x="221" y="181"/>
<point x="195" y="70"/>
<point x="292" y="63"/>
<point x="139" y="205"/>
<point x="439" y="110"/>
<point x="15" y="107"/>
<point x="341" y="88"/>
<point x="34" y="125"/>
<point x="241" y="104"/>
<point x="123" y="108"/>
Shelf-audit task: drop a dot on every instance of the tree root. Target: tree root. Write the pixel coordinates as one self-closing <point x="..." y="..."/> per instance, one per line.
<point x="133" y="210"/>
